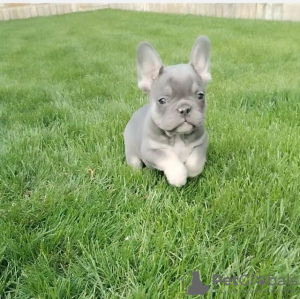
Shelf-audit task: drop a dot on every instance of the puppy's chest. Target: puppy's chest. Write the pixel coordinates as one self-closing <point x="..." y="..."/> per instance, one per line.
<point x="181" y="149"/>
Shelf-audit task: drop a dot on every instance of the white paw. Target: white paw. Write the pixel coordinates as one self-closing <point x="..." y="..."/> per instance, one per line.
<point x="135" y="163"/>
<point x="194" y="165"/>
<point x="176" y="175"/>
<point x="193" y="171"/>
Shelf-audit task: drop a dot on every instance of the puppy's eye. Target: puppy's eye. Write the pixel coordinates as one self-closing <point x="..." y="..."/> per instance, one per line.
<point x="162" y="101"/>
<point x="200" y="95"/>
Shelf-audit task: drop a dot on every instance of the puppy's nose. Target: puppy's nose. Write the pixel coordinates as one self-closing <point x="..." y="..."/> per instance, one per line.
<point x="184" y="110"/>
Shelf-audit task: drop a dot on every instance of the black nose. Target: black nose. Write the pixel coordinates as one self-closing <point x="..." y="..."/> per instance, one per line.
<point x="184" y="110"/>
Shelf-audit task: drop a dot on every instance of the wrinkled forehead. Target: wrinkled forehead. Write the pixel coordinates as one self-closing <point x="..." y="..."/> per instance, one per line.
<point x="178" y="81"/>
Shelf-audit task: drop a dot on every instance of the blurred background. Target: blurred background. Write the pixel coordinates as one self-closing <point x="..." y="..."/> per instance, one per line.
<point x="261" y="11"/>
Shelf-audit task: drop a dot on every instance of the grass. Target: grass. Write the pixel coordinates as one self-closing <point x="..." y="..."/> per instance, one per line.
<point x="77" y="222"/>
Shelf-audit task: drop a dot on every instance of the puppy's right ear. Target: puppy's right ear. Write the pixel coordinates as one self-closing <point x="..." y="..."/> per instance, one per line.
<point x="149" y="66"/>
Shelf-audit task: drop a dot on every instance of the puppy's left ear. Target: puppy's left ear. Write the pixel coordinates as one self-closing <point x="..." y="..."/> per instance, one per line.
<point x="200" y="58"/>
<point x="149" y="66"/>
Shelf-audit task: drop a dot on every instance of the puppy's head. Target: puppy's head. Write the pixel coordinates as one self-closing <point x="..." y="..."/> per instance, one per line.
<point x="176" y="93"/>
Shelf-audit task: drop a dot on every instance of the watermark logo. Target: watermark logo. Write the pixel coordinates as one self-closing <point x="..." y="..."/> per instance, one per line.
<point x="251" y="280"/>
<point x="193" y="286"/>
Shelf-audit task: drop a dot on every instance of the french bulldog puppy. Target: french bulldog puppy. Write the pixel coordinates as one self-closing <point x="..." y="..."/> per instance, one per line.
<point x="168" y="133"/>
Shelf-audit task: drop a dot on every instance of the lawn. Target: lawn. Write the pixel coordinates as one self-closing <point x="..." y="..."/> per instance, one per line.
<point x="77" y="222"/>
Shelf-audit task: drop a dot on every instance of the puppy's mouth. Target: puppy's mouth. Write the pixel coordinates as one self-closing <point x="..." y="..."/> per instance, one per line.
<point x="184" y="128"/>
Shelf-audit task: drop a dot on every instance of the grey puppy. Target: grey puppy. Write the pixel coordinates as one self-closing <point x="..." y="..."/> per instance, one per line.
<point x="168" y="133"/>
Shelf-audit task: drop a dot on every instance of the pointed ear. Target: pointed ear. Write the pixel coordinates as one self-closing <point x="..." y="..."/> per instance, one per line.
<point x="149" y="66"/>
<point x="200" y="58"/>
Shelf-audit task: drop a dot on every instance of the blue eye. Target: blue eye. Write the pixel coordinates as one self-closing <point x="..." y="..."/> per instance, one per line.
<point x="162" y="101"/>
<point x="200" y="95"/>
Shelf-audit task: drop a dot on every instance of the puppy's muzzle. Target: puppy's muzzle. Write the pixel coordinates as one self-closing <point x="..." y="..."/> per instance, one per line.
<point x="184" y="110"/>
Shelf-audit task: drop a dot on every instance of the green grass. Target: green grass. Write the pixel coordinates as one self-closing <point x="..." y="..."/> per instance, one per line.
<point x="77" y="222"/>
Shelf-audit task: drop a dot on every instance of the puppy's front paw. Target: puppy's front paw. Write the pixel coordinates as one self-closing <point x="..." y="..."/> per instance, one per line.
<point x="135" y="163"/>
<point x="176" y="175"/>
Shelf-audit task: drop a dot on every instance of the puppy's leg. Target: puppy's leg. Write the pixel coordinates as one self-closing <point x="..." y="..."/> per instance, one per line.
<point x="135" y="162"/>
<point x="196" y="160"/>
<point x="132" y="158"/>
<point x="169" y="163"/>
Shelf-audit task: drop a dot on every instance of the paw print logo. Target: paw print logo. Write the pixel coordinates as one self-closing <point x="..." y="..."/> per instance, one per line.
<point x="193" y="286"/>
<point x="261" y="280"/>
